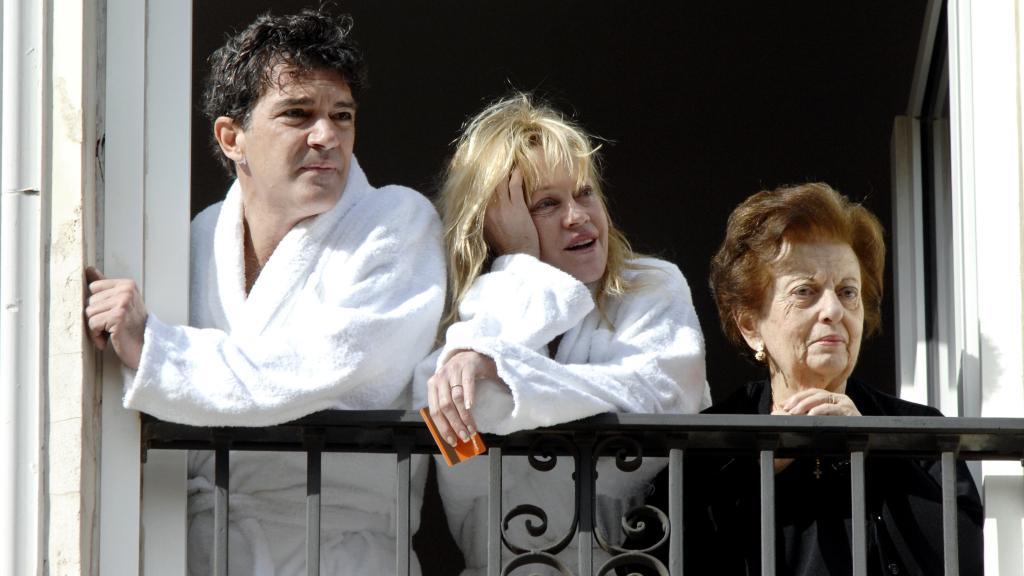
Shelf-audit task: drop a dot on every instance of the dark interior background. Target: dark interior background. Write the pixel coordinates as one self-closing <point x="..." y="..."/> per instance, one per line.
<point x="702" y="103"/>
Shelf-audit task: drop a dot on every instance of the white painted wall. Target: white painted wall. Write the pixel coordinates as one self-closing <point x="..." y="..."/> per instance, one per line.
<point x="47" y="483"/>
<point x="71" y="421"/>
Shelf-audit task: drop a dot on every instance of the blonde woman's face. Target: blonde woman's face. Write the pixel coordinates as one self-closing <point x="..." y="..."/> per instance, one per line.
<point x="572" y="227"/>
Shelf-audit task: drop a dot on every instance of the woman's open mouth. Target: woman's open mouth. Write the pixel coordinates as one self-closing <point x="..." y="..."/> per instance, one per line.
<point x="582" y="244"/>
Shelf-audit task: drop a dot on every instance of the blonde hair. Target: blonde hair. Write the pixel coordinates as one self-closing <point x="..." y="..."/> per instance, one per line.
<point x="496" y="141"/>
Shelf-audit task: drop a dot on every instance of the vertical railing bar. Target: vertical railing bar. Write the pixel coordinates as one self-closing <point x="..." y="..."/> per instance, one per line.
<point x="221" y="478"/>
<point x="951" y="557"/>
<point x="403" y="544"/>
<point x="314" y="482"/>
<point x="494" y="513"/>
<point x="585" y="500"/>
<point x="675" y="511"/>
<point x="858" y="508"/>
<point x="767" y="512"/>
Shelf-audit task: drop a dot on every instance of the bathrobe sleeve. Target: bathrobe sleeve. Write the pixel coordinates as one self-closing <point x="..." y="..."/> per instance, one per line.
<point x="349" y="337"/>
<point x="647" y="356"/>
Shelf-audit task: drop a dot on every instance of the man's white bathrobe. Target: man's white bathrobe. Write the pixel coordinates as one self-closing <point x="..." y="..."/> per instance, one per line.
<point x="645" y="354"/>
<point x="346" y="306"/>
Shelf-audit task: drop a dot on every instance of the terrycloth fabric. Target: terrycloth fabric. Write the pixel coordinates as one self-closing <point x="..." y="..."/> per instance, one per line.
<point x="645" y="355"/>
<point x="267" y="516"/>
<point x="344" y="309"/>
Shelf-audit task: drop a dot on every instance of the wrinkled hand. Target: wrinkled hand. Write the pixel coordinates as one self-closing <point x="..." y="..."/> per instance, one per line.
<point x="819" y="402"/>
<point x="114" y="310"/>
<point x="450" y="393"/>
<point x="508" y="226"/>
<point x="814" y="402"/>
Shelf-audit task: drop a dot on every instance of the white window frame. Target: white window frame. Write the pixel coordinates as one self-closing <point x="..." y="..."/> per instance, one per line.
<point x="146" y="223"/>
<point x="985" y="118"/>
<point x="978" y="349"/>
<point x="926" y="372"/>
<point x="985" y="82"/>
<point x="145" y="234"/>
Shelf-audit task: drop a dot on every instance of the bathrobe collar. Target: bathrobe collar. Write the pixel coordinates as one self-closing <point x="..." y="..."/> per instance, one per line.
<point x="290" y="264"/>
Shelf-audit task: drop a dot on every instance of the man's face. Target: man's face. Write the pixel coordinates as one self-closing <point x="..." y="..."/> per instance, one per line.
<point x="297" y="144"/>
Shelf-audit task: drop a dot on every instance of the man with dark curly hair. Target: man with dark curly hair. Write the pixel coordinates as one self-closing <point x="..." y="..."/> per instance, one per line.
<point x="311" y="290"/>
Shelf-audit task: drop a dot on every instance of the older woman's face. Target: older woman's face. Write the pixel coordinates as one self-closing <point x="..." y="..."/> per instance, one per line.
<point x="813" y="318"/>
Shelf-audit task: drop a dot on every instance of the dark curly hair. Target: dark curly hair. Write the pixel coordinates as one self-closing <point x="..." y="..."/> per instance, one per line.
<point x="243" y="69"/>
<point x="741" y="270"/>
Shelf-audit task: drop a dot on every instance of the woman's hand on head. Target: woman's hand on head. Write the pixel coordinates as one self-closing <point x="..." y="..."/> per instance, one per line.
<point x="508" y="226"/>
<point x="819" y="402"/>
<point x="451" y="390"/>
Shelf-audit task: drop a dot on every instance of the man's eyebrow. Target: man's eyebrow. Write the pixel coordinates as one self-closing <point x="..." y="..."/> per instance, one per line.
<point x="293" y="102"/>
<point x="305" y="101"/>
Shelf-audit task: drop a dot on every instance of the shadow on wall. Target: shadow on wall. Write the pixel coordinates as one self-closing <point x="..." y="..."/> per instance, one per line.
<point x="1004" y="509"/>
<point x="991" y="369"/>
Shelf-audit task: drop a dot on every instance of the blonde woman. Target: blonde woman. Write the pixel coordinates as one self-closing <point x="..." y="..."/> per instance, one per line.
<point x="551" y="316"/>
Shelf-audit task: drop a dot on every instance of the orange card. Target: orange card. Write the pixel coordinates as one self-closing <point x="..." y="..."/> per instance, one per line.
<point x="462" y="450"/>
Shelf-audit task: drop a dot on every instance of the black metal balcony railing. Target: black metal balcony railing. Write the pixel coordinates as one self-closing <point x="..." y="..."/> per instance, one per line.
<point x="627" y="437"/>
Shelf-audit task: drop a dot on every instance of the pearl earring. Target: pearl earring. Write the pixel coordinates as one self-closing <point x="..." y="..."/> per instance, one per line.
<point x="760" y="354"/>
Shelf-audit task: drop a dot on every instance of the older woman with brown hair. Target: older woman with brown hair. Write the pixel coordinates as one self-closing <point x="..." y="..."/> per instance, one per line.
<point x="798" y="284"/>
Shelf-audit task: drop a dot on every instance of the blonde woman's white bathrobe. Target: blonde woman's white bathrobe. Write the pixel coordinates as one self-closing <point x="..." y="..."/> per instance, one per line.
<point x="346" y="306"/>
<point x="646" y="356"/>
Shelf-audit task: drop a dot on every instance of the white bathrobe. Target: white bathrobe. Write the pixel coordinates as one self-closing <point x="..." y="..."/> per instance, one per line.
<point x="646" y="354"/>
<point x="346" y="306"/>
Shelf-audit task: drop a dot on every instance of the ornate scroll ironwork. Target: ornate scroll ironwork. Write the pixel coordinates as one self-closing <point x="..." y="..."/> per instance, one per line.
<point x="536" y="559"/>
<point x="543" y="457"/>
<point x="629" y="456"/>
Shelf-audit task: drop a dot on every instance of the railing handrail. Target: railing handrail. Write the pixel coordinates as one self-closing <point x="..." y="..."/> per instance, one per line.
<point x="628" y="438"/>
<point x="375" y="431"/>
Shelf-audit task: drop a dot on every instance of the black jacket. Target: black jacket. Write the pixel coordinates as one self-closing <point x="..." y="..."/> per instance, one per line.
<point x="813" y="529"/>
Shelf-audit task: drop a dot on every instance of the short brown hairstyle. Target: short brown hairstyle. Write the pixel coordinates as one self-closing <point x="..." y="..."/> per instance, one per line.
<point x="741" y="273"/>
<point x="243" y="68"/>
